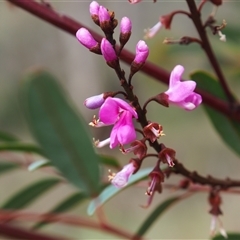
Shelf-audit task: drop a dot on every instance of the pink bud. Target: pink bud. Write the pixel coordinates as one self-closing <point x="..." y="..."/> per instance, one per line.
<point x="86" y="38"/>
<point x="94" y="8"/>
<point x="103" y="14"/>
<point x="126" y="25"/>
<point x="142" y="52"/>
<point x="94" y="101"/>
<point x="107" y="51"/>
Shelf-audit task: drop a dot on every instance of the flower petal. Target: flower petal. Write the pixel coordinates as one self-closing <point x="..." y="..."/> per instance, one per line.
<point x="180" y="91"/>
<point x="176" y="75"/>
<point x="123" y="131"/>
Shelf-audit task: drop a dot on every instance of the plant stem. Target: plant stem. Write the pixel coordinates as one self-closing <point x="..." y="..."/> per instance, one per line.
<point x="196" y="18"/>
<point x="6" y="215"/>
<point x="19" y="233"/>
<point x="71" y="26"/>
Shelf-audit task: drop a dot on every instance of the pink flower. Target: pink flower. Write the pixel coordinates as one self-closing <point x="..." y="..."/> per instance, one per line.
<point x="117" y="112"/>
<point x="182" y="93"/>
<point x="121" y="178"/>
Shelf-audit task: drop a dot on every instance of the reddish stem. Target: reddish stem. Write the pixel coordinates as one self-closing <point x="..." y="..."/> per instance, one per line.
<point x="19" y="233"/>
<point x="6" y="215"/>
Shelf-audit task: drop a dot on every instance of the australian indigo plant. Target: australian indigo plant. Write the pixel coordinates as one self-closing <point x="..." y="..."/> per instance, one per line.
<point x="65" y="145"/>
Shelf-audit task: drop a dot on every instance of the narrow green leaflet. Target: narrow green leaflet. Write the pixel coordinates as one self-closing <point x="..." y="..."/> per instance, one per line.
<point x="21" y="147"/>
<point x="60" y="132"/>
<point x="155" y="214"/>
<point x="111" y="190"/>
<point x="38" y="164"/>
<point x="65" y="205"/>
<point x="228" y="129"/>
<point x="27" y="195"/>
<point x="5" y="167"/>
<point x="109" y="161"/>
<point x="231" y="236"/>
<point x="6" y="137"/>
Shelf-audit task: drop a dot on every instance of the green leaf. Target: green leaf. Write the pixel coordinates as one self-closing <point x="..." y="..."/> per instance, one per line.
<point x="65" y="205"/>
<point x="5" y="166"/>
<point x="60" y="132"/>
<point x="228" y="129"/>
<point x="21" y="147"/>
<point x="38" y="164"/>
<point x="109" y="161"/>
<point x="155" y="214"/>
<point x="6" y="137"/>
<point x="29" y="194"/>
<point x="231" y="236"/>
<point x="111" y="190"/>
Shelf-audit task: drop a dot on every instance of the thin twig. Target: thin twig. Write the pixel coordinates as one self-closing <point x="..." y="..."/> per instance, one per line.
<point x="196" y="18"/>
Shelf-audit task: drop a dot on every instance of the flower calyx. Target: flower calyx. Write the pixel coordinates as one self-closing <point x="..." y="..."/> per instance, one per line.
<point x="215" y="202"/>
<point x="138" y="147"/>
<point x="153" y="131"/>
<point x="157" y="177"/>
<point x="167" y="155"/>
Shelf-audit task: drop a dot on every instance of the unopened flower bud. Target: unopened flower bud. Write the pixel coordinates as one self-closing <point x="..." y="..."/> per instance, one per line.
<point x="87" y="40"/>
<point x="142" y="52"/>
<point x="125" y="30"/>
<point x="104" y="19"/>
<point x="94" y="9"/>
<point x="109" y="53"/>
<point x="94" y="101"/>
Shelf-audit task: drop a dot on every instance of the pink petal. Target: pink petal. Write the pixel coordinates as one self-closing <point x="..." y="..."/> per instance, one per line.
<point x="123" y="131"/>
<point x="124" y="105"/>
<point x="109" y="111"/>
<point x="180" y="91"/>
<point x="176" y="75"/>
<point x="191" y="102"/>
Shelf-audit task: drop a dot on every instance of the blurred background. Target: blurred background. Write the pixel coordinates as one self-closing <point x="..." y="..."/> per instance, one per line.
<point x="26" y="42"/>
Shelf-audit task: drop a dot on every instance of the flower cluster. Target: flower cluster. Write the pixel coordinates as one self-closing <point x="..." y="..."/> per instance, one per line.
<point x="119" y="113"/>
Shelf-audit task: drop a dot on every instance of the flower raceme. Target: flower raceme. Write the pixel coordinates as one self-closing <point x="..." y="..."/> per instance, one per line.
<point x="181" y="93"/>
<point x="119" y="113"/>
